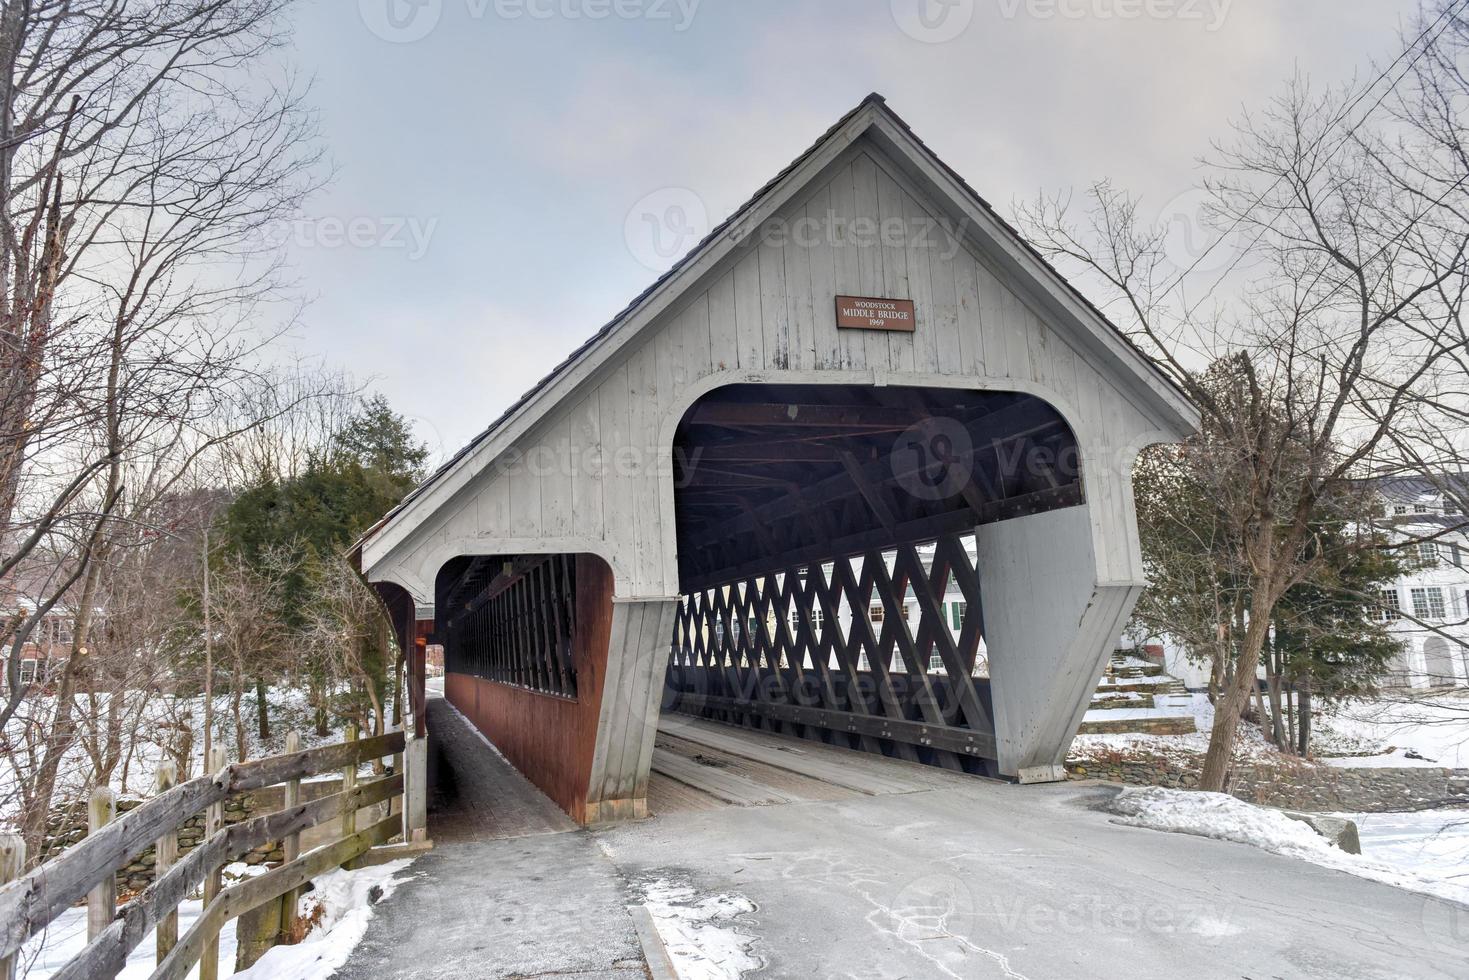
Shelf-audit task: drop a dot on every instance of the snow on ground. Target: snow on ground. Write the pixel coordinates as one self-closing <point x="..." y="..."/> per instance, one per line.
<point x="1396" y="759"/>
<point x="67" y="936"/>
<point x="698" y="934"/>
<point x="1249" y="743"/>
<point x="1223" y="817"/>
<point x="344" y="897"/>
<point x="1435" y="726"/>
<point x="1431" y="843"/>
<point x="346" y="900"/>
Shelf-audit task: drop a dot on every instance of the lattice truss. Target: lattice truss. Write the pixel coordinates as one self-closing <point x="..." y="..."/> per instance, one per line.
<point x="520" y="630"/>
<point x="862" y="652"/>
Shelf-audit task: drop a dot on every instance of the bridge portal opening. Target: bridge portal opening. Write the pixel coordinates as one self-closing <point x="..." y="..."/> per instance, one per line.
<point x="827" y="559"/>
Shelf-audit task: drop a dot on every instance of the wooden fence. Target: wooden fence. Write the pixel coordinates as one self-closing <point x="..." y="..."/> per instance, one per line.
<point x="88" y="869"/>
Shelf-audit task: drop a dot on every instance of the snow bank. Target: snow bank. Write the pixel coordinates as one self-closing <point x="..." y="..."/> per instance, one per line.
<point x="345" y="900"/>
<point x="1223" y="817"/>
<point x="344" y="897"/>
<point x="696" y="932"/>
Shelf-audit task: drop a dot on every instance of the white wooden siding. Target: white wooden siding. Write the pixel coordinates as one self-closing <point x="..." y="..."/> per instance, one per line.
<point x="766" y="314"/>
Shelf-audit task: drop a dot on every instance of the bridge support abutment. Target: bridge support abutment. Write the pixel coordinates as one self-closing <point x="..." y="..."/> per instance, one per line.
<point x="627" y="719"/>
<point x="1050" y="622"/>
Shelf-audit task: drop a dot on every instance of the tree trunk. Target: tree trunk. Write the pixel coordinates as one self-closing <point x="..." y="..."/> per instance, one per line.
<point x="1303" y="746"/>
<point x="262" y="710"/>
<point x="237" y="695"/>
<point x="1219" y="757"/>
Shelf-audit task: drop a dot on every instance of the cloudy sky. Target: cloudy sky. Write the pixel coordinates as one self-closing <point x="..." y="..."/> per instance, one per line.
<point x="489" y="153"/>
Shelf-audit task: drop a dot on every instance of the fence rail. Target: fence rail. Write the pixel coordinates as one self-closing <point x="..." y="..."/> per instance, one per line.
<point x="86" y="870"/>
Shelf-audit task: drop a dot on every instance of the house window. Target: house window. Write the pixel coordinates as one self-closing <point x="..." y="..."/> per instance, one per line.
<point x="875" y="614"/>
<point x="27" y="672"/>
<point x="1428" y="603"/>
<point x="1428" y="552"/>
<point x="1390" y="608"/>
<point x="1420" y="508"/>
<point x="1400" y="510"/>
<point x="957" y="611"/>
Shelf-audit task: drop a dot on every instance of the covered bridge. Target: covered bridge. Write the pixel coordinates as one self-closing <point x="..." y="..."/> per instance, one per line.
<point x="857" y="469"/>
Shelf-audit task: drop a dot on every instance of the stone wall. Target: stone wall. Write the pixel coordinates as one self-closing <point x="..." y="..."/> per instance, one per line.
<point x="1297" y="786"/>
<point x="68" y="825"/>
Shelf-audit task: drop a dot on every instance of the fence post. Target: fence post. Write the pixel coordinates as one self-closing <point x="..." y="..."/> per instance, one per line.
<point x="213" y="824"/>
<point x="166" y="852"/>
<point x="12" y="866"/>
<point x="102" y="900"/>
<point x="415" y="789"/>
<point x="349" y="783"/>
<point x="290" y="851"/>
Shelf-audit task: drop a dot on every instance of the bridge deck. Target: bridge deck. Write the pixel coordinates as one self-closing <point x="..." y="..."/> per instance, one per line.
<point x="856" y="866"/>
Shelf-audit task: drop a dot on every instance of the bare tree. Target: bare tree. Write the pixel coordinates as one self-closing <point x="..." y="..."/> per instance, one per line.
<point x="1355" y="276"/>
<point x="145" y="149"/>
<point x="349" y="634"/>
<point x="251" y="638"/>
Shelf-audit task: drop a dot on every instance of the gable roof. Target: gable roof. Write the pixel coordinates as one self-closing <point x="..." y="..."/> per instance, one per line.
<point x="861" y="120"/>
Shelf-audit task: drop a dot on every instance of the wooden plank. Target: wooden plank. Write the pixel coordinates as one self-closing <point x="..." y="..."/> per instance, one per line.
<point x="877" y="776"/>
<point x="101" y="900"/>
<point x="586" y="486"/>
<point x="724" y="347"/>
<point x="872" y="279"/>
<point x="290" y="851"/>
<point x="108" y="953"/>
<point x="801" y="241"/>
<point x="243" y="777"/>
<point x="775" y="318"/>
<point x="970" y="327"/>
<point x="846" y="266"/>
<point x="898" y="280"/>
<point x="721" y="785"/>
<point x="213" y="824"/>
<point x="257" y="891"/>
<point x="29" y="905"/>
<point x="556" y="472"/>
<point x="166" y="854"/>
<point x="749" y="329"/>
<point x="911" y="733"/>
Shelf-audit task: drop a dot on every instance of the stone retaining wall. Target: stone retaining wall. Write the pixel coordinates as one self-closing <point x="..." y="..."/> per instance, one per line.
<point x="68" y="825"/>
<point x="1298" y="786"/>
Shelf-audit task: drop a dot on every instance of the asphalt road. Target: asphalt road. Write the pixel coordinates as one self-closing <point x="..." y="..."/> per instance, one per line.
<point x="999" y="881"/>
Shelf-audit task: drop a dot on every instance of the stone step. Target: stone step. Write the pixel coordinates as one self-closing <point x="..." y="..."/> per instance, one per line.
<point x="1163" y="725"/>
<point x="1135" y="670"/>
<point x="1141" y="686"/>
<point x="1104" y="703"/>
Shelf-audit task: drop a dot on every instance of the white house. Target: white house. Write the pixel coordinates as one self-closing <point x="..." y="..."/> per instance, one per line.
<point x="1428" y="607"/>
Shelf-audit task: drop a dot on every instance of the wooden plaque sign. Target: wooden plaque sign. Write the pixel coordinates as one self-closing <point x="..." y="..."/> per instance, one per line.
<point x="868" y="313"/>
